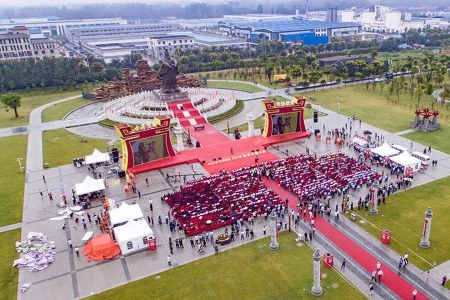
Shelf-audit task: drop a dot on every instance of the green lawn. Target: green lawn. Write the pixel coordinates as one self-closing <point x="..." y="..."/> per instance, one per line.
<point x="8" y="274"/>
<point x="31" y="100"/>
<point x="11" y="179"/>
<point x="251" y="271"/>
<point x="438" y="139"/>
<point x="356" y="100"/>
<point x="235" y="74"/>
<point x="234" y="85"/>
<point x="237" y="108"/>
<point x="61" y="146"/>
<point x="378" y="108"/>
<point x="403" y="214"/>
<point x="58" y="111"/>
<point x="108" y="123"/>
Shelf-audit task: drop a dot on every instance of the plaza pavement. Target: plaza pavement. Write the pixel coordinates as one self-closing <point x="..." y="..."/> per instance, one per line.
<point x="72" y="277"/>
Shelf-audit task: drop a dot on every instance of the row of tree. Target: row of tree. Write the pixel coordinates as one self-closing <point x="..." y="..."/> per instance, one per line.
<point x="53" y="72"/>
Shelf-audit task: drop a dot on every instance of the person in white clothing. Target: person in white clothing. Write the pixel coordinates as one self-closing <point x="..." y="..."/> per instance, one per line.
<point x="405" y="259"/>
<point x="380" y="274"/>
<point x="378" y="265"/>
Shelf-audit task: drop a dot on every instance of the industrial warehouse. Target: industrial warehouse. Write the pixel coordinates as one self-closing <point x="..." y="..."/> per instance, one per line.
<point x="293" y="30"/>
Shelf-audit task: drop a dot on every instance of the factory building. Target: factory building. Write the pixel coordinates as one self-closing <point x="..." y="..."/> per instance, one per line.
<point x="50" y="27"/>
<point x="290" y="30"/>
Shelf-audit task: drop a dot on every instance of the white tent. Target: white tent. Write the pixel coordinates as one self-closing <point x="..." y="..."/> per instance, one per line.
<point x="385" y="150"/>
<point x="133" y="236"/>
<point x="405" y="159"/>
<point x="360" y="141"/>
<point x="96" y="157"/>
<point x="89" y="185"/>
<point x="398" y="147"/>
<point x="125" y="212"/>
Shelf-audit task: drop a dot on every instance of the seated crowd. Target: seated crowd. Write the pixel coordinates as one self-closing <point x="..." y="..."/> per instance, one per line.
<point x="221" y="199"/>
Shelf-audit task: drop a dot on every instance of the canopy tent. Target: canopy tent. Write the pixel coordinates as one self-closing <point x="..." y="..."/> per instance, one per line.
<point x="360" y="141"/>
<point x="100" y="248"/>
<point x="133" y="235"/>
<point x="89" y="185"/>
<point x="405" y="159"/>
<point x="96" y="157"/>
<point x="125" y="212"/>
<point x="385" y="151"/>
<point x="398" y="147"/>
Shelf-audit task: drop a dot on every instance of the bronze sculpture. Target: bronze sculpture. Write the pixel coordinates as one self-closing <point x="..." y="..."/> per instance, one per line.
<point x="167" y="73"/>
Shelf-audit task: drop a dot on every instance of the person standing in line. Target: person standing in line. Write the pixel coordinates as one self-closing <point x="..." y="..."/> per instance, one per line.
<point x="146" y="181"/>
<point x="380" y="274"/>
<point x="373" y="277"/>
<point x="77" y="252"/>
<point x="150" y="204"/>
<point x="370" y="290"/>
<point x="264" y="230"/>
<point x="414" y="294"/>
<point x="139" y="194"/>
<point x="378" y="266"/>
<point x="169" y="260"/>
<point x="343" y="265"/>
<point x="405" y="260"/>
<point x="444" y="280"/>
<point x="43" y="179"/>
<point x="69" y="243"/>
<point x="400" y="265"/>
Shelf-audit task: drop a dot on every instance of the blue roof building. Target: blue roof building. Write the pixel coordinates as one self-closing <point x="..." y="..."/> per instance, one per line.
<point x="290" y="30"/>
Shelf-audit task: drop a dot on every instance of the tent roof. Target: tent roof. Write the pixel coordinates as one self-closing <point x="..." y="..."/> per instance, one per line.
<point x="405" y="159"/>
<point x="101" y="247"/>
<point x="125" y="212"/>
<point x="360" y="140"/>
<point x="385" y="150"/>
<point x="89" y="185"/>
<point x="96" y="157"/>
<point x="132" y="230"/>
<point x="399" y="147"/>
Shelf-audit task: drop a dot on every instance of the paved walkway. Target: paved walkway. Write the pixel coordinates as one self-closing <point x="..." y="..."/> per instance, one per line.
<point x="34" y="146"/>
<point x="437" y="95"/>
<point x="10" y="227"/>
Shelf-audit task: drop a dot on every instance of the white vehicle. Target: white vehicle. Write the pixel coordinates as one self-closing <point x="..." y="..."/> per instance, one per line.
<point x="379" y="79"/>
<point x="423" y="157"/>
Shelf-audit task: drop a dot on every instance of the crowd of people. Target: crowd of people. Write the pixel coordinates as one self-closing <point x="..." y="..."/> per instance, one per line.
<point x="219" y="200"/>
<point x="222" y="199"/>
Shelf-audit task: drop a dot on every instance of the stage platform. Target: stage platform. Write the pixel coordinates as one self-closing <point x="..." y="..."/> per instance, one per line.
<point x="228" y="155"/>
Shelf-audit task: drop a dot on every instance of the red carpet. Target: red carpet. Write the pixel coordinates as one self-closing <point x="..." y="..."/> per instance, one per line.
<point x="390" y="278"/>
<point x="207" y="136"/>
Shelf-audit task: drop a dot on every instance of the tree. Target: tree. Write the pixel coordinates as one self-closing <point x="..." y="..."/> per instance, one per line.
<point x="11" y="101"/>
<point x="268" y="69"/>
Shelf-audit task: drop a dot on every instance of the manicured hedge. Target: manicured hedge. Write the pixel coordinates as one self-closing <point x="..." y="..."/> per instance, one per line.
<point x="237" y="108"/>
